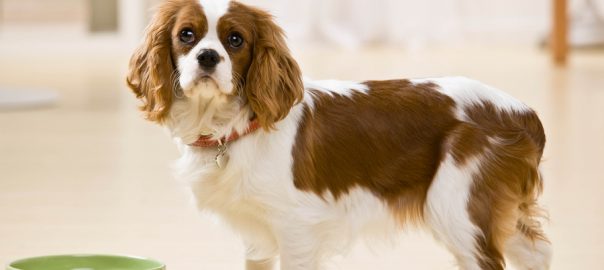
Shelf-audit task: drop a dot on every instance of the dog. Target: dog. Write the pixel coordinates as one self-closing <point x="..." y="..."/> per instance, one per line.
<point x="300" y="168"/>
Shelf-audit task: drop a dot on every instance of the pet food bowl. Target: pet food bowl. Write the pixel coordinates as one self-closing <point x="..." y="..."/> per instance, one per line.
<point x="86" y="262"/>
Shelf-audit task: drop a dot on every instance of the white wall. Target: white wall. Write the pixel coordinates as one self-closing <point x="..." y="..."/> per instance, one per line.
<point x="349" y="23"/>
<point x="354" y="22"/>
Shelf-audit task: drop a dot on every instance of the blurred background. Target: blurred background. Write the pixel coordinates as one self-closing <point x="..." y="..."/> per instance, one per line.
<point x="82" y="172"/>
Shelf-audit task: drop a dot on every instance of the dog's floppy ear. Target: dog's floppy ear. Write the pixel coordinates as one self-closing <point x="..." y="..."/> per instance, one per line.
<point x="151" y="66"/>
<point x="274" y="81"/>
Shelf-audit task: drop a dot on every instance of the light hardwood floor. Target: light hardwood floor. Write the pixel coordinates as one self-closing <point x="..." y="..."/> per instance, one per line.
<point x="90" y="176"/>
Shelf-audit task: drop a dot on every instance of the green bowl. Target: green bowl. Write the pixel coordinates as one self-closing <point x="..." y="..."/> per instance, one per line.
<point x="86" y="262"/>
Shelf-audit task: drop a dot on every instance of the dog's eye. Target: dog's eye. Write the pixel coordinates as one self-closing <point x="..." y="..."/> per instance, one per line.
<point x="187" y="36"/>
<point x="235" y="40"/>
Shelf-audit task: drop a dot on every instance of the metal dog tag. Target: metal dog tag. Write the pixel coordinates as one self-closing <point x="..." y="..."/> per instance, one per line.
<point x="222" y="148"/>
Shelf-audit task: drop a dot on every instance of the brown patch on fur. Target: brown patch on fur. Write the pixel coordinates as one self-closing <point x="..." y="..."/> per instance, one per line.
<point x="189" y="17"/>
<point x="529" y="223"/>
<point x="392" y="140"/>
<point x="238" y="20"/>
<point x="510" y="146"/>
<point x="273" y="81"/>
<point x="388" y="141"/>
<point x="151" y="67"/>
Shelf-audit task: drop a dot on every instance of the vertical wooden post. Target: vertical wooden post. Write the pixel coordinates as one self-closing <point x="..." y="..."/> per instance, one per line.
<point x="559" y="38"/>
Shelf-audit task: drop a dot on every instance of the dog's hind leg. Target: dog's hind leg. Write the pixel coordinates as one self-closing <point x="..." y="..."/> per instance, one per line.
<point x="446" y="211"/>
<point x="529" y="248"/>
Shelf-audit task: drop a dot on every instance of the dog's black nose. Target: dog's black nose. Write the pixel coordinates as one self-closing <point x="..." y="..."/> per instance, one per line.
<point x="208" y="59"/>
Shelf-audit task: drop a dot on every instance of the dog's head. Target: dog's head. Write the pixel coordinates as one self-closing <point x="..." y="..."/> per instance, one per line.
<point x="215" y="48"/>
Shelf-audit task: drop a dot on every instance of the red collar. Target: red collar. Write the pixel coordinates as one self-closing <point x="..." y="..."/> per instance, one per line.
<point x="207" y="141"/>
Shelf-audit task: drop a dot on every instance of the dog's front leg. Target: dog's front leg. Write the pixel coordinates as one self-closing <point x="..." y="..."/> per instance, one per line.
<point x="300" y="250"/>
<point x="268" y="264"/>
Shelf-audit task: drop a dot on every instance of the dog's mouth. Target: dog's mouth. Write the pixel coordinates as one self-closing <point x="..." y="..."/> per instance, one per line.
<point x="205" y="80"/>
<point x="205" y="77"/>
<point x="205" y="85"/>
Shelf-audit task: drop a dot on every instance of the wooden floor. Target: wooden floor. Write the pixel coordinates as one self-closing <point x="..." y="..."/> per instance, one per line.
<point x="90" y="176"/>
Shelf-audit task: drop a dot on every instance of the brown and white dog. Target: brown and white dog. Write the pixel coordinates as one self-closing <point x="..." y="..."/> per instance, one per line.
<point x="302" y="168"/>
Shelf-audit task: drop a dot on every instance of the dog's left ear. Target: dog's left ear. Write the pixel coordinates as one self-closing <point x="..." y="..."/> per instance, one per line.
<point x="274" y="81"/>
<point x="151" y="67"/>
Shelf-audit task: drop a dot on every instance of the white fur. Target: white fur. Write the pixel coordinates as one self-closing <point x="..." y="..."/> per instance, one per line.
<point x="249" y="187"/>
<point x="256" y="196"/>
<point x="214" y="9"/>
<point x="525" y="254"/>
<point x="467" y="92"/>
<point x="190" y="72"/>
<point x="332" y="87"/>
<point x="217" y="116"/>
<point x="319" y="228"/>
<point x="447" y="212"/>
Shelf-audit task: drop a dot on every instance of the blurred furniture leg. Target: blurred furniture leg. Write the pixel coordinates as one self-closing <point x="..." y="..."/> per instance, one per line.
<point x="103" y="16"/>
<point x="559" y="38"/>
<point x="127" y="17"/>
